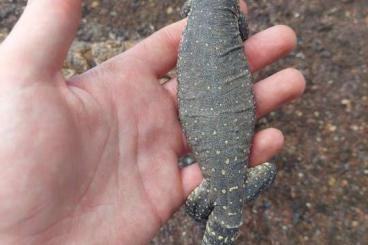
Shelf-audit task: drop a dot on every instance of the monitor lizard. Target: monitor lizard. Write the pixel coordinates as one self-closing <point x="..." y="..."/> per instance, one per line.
<point x="217" y="113"/>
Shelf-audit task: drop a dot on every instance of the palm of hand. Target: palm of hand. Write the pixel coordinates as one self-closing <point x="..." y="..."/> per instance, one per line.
<point x="114" y="150"/>
<point x="94" y="160"/>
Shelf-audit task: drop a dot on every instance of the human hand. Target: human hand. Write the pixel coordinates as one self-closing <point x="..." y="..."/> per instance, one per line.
<point x="94" y="159"/>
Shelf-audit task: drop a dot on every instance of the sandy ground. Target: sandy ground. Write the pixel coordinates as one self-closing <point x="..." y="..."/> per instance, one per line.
<point x="320" y="195"/>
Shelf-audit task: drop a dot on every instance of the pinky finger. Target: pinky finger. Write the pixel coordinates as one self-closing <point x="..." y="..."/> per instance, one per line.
<point x="266" y="144"/>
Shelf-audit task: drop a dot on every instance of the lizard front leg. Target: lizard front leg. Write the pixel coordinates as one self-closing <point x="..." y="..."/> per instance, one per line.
<point x="186" y="8"/>
<point x="243" y="26"/>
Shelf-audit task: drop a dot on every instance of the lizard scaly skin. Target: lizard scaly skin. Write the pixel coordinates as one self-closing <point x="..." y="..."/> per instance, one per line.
<point x="217" y="113"/>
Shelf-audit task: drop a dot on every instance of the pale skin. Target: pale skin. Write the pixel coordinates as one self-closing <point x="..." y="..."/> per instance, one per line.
<point x="93" y="159"/>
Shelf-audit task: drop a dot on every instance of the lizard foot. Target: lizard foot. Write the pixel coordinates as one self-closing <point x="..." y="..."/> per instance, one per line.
<point x="259" y="179"/>
<point x="199" y="204"/>
<point x="186" y="8"/>
<point x="243" y="27"/>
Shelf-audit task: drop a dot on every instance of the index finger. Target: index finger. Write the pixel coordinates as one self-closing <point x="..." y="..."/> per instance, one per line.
<point x="41" y="38"/>
<point x="158" y="53"/>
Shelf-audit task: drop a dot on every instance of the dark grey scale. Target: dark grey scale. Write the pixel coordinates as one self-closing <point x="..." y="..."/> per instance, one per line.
<point x="217" y="113"/>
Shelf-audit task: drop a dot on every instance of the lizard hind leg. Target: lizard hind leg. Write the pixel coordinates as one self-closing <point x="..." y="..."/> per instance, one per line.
<point x="199" y="204"/>
<point x="259" y="179"/>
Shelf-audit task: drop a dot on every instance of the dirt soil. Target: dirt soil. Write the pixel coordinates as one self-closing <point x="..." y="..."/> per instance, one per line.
<point x="320" y="195"/>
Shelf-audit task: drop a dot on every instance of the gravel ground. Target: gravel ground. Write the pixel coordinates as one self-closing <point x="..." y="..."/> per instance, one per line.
<point x="320" y="195"/>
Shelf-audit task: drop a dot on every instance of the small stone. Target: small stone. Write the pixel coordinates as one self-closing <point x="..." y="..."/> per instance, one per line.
<point x="354" y="127"/>
<point x="169" y="10"/>
<point x="331" y="127"/>
<point x="344" y="183"/>
<point x="299" y="113"/>
<point x="348" y="104"/>
<point x="95" y="4"/>
<point x="355" y="223"/>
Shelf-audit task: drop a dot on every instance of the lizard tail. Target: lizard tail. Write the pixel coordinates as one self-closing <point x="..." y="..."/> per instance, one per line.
<point x="217" y="233"/>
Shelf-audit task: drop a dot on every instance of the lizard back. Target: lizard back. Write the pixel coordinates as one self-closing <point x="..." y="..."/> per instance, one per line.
<point x="216" y="104"/>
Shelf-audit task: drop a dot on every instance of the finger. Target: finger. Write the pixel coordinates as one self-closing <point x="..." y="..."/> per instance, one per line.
<point x="191" y="177"/>
<point x="266" y="144"/>
<point x="172" y="88"/>
<point x="158" y="53"/>
<point x="269" y="45"/>
<point x="243" y="7"/>
<point x="41" y="38"/>
<point x="270" y="93"/>
<point x="277" y="90"/>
